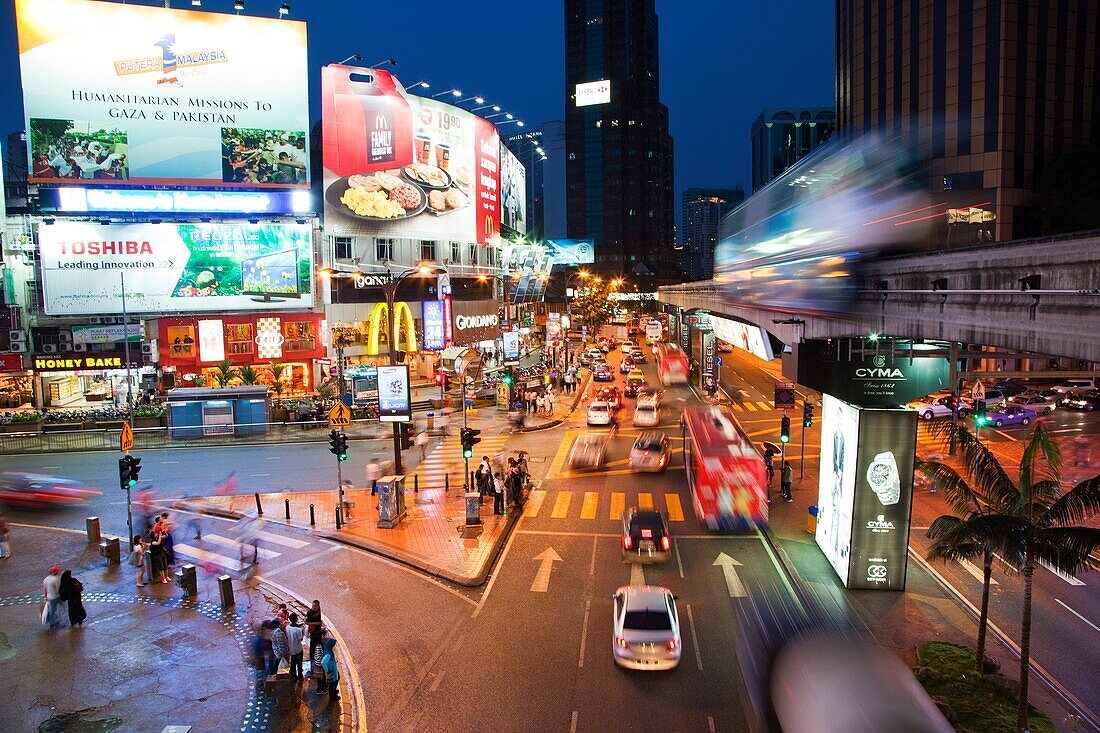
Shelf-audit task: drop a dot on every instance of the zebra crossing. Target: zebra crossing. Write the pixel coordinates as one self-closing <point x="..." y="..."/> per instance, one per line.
<point x="447" y="459"/>
<point x="763" y="406"/>
<point x="597" y="505"/>
<point x="224" y="552"/>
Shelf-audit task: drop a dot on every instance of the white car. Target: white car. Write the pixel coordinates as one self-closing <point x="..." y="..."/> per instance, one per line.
<point x="1072" y="386"/>
<point x="647" y="414"/>
<point x="1039" y="402"/>
<point x="588" y="450"/>
<point x="646" y="633"/>
<point x="599" y="413"/>
<point x="931" y="407"/>
<point x="650" y="452"/>
<point x="628" y="346"/>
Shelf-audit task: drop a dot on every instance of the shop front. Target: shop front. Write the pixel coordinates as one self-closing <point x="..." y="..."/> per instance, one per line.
<point x="16" y="383"/>
<point x="78" y="381"/>
<point x="475" y="324"/>
<point x="277" y="350"/>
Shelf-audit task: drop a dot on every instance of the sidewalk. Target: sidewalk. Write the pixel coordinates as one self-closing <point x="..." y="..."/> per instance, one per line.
<point x="144" y="658"/>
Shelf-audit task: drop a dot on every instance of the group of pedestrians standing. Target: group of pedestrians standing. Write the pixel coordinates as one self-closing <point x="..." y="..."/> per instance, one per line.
<point x="63" y="599"/>
<point x="280" y="640"/>
<point x="506" y="483"/>
<point x="786" y="476"/>
<point x="156" y="542"/>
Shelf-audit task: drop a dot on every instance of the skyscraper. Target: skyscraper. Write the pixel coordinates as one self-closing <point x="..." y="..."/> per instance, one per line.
<point x="703" y="209"/>
<point x="618" y="150"/>
<point x="781" y="137"/>
<point x="988" y="92"/>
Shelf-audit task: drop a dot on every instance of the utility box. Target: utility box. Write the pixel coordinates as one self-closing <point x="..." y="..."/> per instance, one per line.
<point x="391" y="501"/>
<point x="109" y="548"/>
<point x="473" y="509"/>
<point x="187" y="580"/>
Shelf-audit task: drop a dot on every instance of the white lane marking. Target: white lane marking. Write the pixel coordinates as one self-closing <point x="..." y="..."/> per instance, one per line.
<point x="1003" y="433"/>
<point x="694" y="639"/>
<point x="573" y="723"/>
<point x="592" y="564"/>
<point x="166" y="462"/>
<point x="259" y="475"/>
<point x="225" y="541"/>
<point x="301" y="561"/>
<point x="710" y="723"/>
<point x="1090" y="623"/>
<point x="284" y="541"/>
<point x="1008" y="568"/>
<point x="550" y="533"/>
<point x="637" y="574"/>
<point x="733" y="582"/>
<point x="274" y="458"/>
<point x="206" y="556"/>
<point x="679" y="562"/>
<point x="51" y="468"/>
<point x="584" y="632"/>
<point x="1064" y="576"/>
<point x="437" y="680"/>
<point x="976" y="571"/>
<point x="546" y="559"/>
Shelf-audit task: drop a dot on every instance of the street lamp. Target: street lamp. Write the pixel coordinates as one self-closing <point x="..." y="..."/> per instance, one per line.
<point x="455" y="92"/>
<point x="509" y="115"/>
<point x="519" y="123"/>
<point x="495" y="107"/>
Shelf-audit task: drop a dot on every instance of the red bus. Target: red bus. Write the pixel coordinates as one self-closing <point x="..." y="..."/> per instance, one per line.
<point x="725" y="472"/>
<point x="672" y="364"/>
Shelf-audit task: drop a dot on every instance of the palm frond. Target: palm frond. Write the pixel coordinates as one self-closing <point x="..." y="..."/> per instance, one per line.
<point x="1005" y="534"/>
<point x="955" y="489"/>
<point x="1077" y="505"/>
<point x="991" y="482"/>
<point x="953" y="539"/>
<point x="1068" y="548"/>
<point x="1042" y="458"/>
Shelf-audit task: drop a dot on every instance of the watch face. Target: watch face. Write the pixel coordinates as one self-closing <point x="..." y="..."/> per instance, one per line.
<point x="883" y="478"/>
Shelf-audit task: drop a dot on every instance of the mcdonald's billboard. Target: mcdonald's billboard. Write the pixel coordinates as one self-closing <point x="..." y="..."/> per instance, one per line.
<point x="398" y="165"/>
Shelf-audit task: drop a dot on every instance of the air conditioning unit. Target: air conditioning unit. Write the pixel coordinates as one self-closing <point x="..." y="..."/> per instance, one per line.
<point x="95" y="320"/>
<point x="65" y="348"/>
<point x="18" y="347"/>
<point x="147" y="348"/>
<point x="65" y="337"/>
<point x="49" y="348"/>
<point x="80" y="347"/>
<point x="108" y="320"/>
<point x="17" y="337"/>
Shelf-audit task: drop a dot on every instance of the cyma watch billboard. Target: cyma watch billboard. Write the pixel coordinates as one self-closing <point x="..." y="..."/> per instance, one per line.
<point x="869" y="379"/>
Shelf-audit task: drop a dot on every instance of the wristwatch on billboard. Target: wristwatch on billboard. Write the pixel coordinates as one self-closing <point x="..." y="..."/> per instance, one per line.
<point x="882" y="476"/>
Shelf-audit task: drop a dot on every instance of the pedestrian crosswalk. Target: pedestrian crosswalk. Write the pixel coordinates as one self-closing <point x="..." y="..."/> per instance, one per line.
<point x="218" y="551"/>
<point x="752" y="406"/>
<point x="447" y="460"/>
<point x="600" y="505"/>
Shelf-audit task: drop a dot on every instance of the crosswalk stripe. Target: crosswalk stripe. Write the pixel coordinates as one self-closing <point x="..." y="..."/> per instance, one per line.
<point x="206" y="556"/>
<point x="645" y="500"/>
<point x="219" y="540"/>
<point x="561" y="505"/>
<point x="534" y="503"/>
<point x="588" y="508"/>
<point x="284" y="541"/>
<point x="618" y="501"/>
<point x="675" y="508"/>
<point x="748" y="406"/>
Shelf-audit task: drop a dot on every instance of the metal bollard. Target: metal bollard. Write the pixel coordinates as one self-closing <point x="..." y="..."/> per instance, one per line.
<point x="109" y="548"/>
<point x="92" y="526"/>
<point x="446" y="483"/>
<point x="225" y="590"/>
<point x="416" y="483"/>
<point x="338" y="518"/>
<point x="259" y="509"/>
<point x="187" y="580"/>
<point x="287" y="503"/>
<point x="312" y="517"/>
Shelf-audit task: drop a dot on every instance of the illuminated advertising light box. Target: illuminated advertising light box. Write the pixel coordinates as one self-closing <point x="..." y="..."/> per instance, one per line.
<point x="511" y="347"/>
<point x="513" y="195"/>
<point x="527" y="268"/>
<point x="572" y="251"/>
<point x="398" y="165"/>
<point x="593" y="92"/>
<point x="434" y="335"/>
<point x="869" y="378"/>
<point x="175" y="268"/>
<point x="752" y="339"/>
<point x="141" y="96"/>
<point x="80" y="199"/>
<point x="211" y="341"/>
<point x="865" y="490"/>
<point x="394" y="403"/>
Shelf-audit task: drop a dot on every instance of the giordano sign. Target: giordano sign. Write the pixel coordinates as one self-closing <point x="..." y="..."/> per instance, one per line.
<point x="475" y="321"/>
<point x="870" y="380"/>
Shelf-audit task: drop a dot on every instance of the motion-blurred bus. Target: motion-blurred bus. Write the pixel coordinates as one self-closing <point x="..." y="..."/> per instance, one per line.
<point x="725" y="473"/>
<point x="672" y="364"/>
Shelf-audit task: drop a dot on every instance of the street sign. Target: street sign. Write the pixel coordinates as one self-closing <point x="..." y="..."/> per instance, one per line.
<point x="784" y="394"/>
<point x="978" y="390"/>
<point x="126" y="440"/>
<point x="339" y="415"/>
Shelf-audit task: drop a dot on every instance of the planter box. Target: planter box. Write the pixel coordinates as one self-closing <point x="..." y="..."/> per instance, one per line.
<point x="58" y="427"/>
<point x="149" y="422"/>
<point x="280" y="415"/>
<point x="109" y="424"/>
<point x="22" y="427"/>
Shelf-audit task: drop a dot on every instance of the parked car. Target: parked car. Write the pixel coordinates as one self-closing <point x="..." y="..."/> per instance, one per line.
<point x="650" y="452"/>
<point x="645" y="536"/>
<point x="612" y="396"/>
<point x="1087" y="401"/>
<point x="725" y="347"/>
<point x="599" y="413"/>
<point x="1035" y="401"/>
<point x="603" y="373"/>
<point x="588" y="450"/>
<point x="646" y="628"/>
<point x="1075" y="385"/>
<point x="647" y="414"/>
<point x="1009" y="387"/>
<point x="931" y="407"/>
<point x="1011" y="415"/>
<point x="994" y="398"/>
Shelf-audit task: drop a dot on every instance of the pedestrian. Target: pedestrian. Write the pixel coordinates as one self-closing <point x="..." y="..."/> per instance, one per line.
<point x="786" y="479"/>
<point x="280" y="646"/>
<point x="51" y="586"/>
<point x="265" y="646"/>
<point x="157" y="559"/>
<point x="316" y="670"/>
<point x="422" y="444"/>
<point x="550" y="398"/>
<point x="313" y="625"/>
<point x="498" y="494"/>
<point x="169" y="544"/>
<point x="443" y="421"/>
<point x="294" y="635"/>
<point x="282" y="615"/>
<point x="70" y="592"/>
<point x="137" y="559"/>
<point x="769" y="463"/>
<point x="569" y="376"/>
<point x="374" y="472"/>
<point x="5" y="538"/>
<point x="332" y="672"/>
<point x="511" y="478"/>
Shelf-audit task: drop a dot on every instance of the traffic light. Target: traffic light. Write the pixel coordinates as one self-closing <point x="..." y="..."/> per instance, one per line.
<point x="785" y="430"/>
<point x="807" y="415"/>
<point x="507" y="378"/>
<point x="338" y="445"/>
<point x="980" y="417"/>
<point x="129" y="467"/>
<point x="406" y="435"/>
<point x="469" y="440"/>
<point x="440" y="377"/>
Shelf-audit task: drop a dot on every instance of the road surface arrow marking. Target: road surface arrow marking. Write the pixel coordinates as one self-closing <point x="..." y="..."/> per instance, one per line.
<point x="733" y="583"/>
<point x="637" y="574"/>
<point x="542" y="578"/>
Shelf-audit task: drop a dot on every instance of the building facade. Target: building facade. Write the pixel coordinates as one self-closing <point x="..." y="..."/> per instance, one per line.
<point x="527" y="147"/>
<point x="987" y="90"/>
<point x="783" y="136"/>
<point x="554" y="222"/>
<point x="703" y="209"/>
<point x="619" y="156"/>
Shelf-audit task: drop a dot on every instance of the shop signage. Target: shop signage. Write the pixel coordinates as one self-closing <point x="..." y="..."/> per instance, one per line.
<point x="363" y="280"/>
<point x="870" y="380"/>
<point x="593" y="92"/>
<point x="511" y="347"/>
<point x="632" y="296"/>
<point x="78" y="363"/>
<point x="72" y="200"/>
<point x="475" y="321"/>
<point x="707" y="373"/>
<point x="572" y="251"/>
<point x="433" y="325"/>
<point x="685" y="336"/>
<point x="11" y="362"/>
<point x="211" y="341"/>
<point x="269" y="338"/>
<point x="394" y="404"/>
<point x="131" y="332"/>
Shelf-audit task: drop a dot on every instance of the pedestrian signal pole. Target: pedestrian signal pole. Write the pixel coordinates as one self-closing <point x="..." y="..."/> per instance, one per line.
<point x="807" y="422"/>
<point x="338" y="446"/>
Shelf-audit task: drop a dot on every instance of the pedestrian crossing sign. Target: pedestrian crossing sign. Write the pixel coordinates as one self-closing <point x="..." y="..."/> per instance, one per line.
<point x="339" y="415"/>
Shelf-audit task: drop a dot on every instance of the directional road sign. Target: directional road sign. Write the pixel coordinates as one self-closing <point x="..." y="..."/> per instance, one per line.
<point x="339" y="415"/>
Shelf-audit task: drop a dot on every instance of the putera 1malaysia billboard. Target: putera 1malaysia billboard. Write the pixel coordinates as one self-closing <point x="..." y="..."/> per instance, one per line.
<point x="175" y="268"/>
<point x="398" y="165"/>
<point x="120" y="94"/>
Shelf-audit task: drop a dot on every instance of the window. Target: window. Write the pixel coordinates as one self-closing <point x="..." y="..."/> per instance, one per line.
<point x="491" y="254"/>
<point x="646" y="620"/>
<point x="456" y="253"/>
<point x="472" y="260"/>
<point x="383" y="249"/>
<point x="239" y="336"/>
<point x="427" y="249"/>
<point x="342" y="248"/>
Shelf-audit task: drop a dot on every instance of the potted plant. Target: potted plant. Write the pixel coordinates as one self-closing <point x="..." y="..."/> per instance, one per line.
<point x="225" y="373"/>
<point x="247" y="375"/>
<point x="24" y="421"/>
<point x="148" y="416"/>
<point x="199" y="380"/>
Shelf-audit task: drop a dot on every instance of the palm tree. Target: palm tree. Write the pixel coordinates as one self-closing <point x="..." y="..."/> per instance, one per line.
<point x="225" y="373"/>
<point x="247" y="374"/>
<point x="1030" y="520"/>
<point x="277" y="370"/>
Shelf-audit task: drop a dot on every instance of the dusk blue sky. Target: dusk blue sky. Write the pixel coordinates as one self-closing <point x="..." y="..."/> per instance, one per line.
<point x="722" y="61"/>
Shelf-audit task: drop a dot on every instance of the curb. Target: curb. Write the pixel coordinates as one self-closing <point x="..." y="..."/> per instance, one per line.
<point x="555" y="423"/>
<point x="417" y="563"/>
